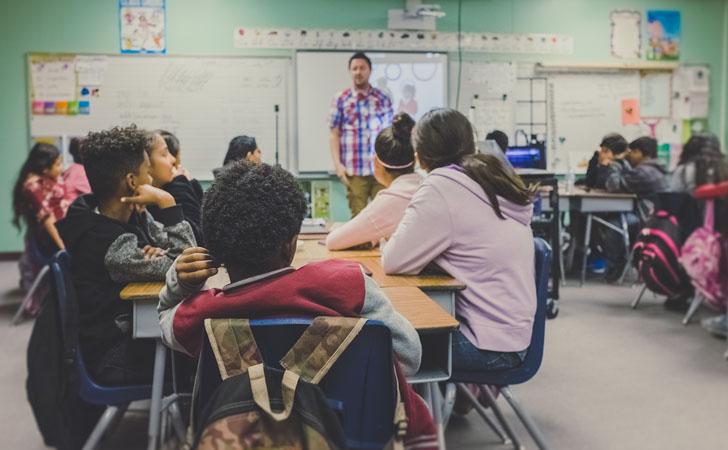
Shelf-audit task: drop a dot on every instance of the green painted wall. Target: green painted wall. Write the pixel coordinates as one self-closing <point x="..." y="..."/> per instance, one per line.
<point x="205" y="28"/>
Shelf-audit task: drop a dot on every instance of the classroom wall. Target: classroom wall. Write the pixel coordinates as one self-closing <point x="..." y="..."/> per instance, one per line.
<point x="205" y="28"/>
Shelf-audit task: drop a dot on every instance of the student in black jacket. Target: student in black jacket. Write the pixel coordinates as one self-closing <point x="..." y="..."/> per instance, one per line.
<point x="166" y="176"/>
<point x="113" y="241"/>
<point x="174" y="149"/>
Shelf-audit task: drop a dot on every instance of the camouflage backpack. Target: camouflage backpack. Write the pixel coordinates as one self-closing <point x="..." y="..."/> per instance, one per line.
<point x="260" y="407"/>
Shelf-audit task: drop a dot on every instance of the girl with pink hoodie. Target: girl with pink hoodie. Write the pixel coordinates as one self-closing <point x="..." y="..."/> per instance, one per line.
<point x="394" y="168"/>
<point x="471" y="217"/>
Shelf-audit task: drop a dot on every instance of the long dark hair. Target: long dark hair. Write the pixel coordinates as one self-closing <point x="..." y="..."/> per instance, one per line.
<point x="444" y="136"/>
<point x="697" y="144"/>
<point x="394" y="146"/>
<point x="41" y="157"/>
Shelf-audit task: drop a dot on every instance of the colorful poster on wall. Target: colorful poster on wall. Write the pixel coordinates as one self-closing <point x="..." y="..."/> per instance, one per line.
<point x="142" y="26"/>
<point x="663" y="32"/>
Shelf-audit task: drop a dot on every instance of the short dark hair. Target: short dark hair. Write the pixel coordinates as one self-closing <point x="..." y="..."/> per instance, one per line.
<point x="614" y="142"/>
<point x="250" y="214"/>
<point x="646" y="145"/>
<point x="171" y="141"/>
<point x="360" y="55"/>
<point x="111" y="154"/>
<point x="500" y="138"/>
<point x="74" y="148"/>
<point x="239" y="148"/>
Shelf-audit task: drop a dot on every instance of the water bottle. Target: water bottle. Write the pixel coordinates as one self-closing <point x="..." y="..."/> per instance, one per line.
<point x="570" y="179"/>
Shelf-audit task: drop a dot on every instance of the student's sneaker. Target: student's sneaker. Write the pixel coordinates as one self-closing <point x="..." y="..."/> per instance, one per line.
<point x="596" y="265"/>
<point x="717" y="326"/>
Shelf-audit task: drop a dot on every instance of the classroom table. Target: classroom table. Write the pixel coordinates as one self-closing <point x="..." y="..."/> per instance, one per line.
<point x="590" y="202"/>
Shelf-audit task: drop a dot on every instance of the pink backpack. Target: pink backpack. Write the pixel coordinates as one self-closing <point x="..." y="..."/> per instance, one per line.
<point x="701" y="259"/>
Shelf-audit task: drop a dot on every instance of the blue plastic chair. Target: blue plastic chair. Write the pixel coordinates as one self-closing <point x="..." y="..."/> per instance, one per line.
<point x="115" y="398"/>
<point x="503" y="379"/>
<point x="359" y="386"/>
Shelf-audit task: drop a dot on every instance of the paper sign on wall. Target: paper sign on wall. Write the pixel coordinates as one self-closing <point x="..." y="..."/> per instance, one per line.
<point x="630" y="112"/>
<point x="626" y="34"/>
<point x="53" y="81"/>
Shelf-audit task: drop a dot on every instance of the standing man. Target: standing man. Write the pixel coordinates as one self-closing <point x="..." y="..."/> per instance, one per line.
<point x="358" y="114"/>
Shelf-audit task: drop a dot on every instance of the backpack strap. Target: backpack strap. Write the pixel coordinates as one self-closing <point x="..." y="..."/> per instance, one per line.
<point x="256" y="374"/>
<point x="400" y="420"/>
<point x="709" y="217"/>
<point x="233" y="344"/>
<point x="320" y="346"/>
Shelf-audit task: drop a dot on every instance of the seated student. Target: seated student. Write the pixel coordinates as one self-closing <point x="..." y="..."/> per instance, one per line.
<point x="39" y="200"/>
<point x="471" y="217"/>
<point x="174" y="149"/>
<point x="164" y="176"/>
<point x="605" y="160"/>
<point x="241" y="148"/>
<point x="113" y="241"/>
<point x="643" y="174"/>
<point x="698" y="161"/>
<point x="394" y="168"/>
<point x="75" y="175"/>
<point x="251" y="218"/>
<point x="500" y="138"/>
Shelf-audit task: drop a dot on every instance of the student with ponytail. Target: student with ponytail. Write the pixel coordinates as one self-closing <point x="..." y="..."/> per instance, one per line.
<point x="394" y="168"/>
<point x="471" y="217"/>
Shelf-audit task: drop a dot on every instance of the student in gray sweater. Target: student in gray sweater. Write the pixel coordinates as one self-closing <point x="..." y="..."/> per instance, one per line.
<point x="113" y="241"/>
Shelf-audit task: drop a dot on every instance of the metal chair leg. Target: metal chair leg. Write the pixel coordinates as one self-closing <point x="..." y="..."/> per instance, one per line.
<point x="525" y="419"/>
<point x="437" y="413"/>
<point x="627" y="266"/>
<point x="694" y="305"/>
<point x="448" y="403"/>
<point x="637" y="300"/>
<point x="107" y="418"/>
<point x="481" y="411"/>
<point x="587" y="249"/>
<point x="502" y="419"/>
<point x="20" y="313"/>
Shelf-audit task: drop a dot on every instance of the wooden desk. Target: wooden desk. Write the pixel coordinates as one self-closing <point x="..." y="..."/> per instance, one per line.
<point x="311" y="250"/>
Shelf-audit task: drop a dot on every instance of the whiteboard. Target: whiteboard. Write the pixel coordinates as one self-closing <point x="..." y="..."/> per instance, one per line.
<point x="320" y="76"/>
<point x="582" y="108"/>
<point x="205" y="101"/>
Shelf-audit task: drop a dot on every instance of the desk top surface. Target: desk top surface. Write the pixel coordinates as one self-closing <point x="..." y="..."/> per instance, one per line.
<point x="423" y="313"/>
<point x="579" y="191"/>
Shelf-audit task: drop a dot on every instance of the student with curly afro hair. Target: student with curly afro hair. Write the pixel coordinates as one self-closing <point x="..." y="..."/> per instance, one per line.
<point x="251" y="218"/>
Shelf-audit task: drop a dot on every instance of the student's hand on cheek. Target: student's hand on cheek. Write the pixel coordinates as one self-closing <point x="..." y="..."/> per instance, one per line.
<point x="195" y="266"/>
<point x="147" y="194"/>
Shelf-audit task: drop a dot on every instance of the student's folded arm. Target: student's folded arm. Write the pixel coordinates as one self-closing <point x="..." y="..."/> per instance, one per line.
<point x="615" y="180"/>
<point x="423" y="234"/>
<point x="405" y="340"/>
<point x="359" y="230"/>
<point x="172" y="294"/>
<point x="170" y="231"/>
<point x="125" y="262"/>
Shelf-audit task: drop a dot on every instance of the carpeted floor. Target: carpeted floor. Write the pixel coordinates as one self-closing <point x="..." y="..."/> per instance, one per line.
<point x="612" y="378"/>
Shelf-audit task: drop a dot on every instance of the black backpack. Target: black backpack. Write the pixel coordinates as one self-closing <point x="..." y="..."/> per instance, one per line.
<point x="656" y="253"/>
<point x="64" y="419"/>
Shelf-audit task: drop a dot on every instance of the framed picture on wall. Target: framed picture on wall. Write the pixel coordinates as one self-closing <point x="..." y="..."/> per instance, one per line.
<point x="142" y="26"/>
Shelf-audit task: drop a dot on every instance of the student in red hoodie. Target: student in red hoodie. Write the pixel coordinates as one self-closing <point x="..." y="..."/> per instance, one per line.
<point x="251" y="219"/>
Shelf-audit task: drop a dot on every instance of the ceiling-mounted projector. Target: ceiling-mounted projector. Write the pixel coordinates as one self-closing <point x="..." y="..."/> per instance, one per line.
<point x="415" y="16"/>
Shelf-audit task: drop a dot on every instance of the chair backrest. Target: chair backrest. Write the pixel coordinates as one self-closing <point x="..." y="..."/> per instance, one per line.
<point x="89" y="390"/>
<point x="360" y="385"/>
<point x="534" y="356"/>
